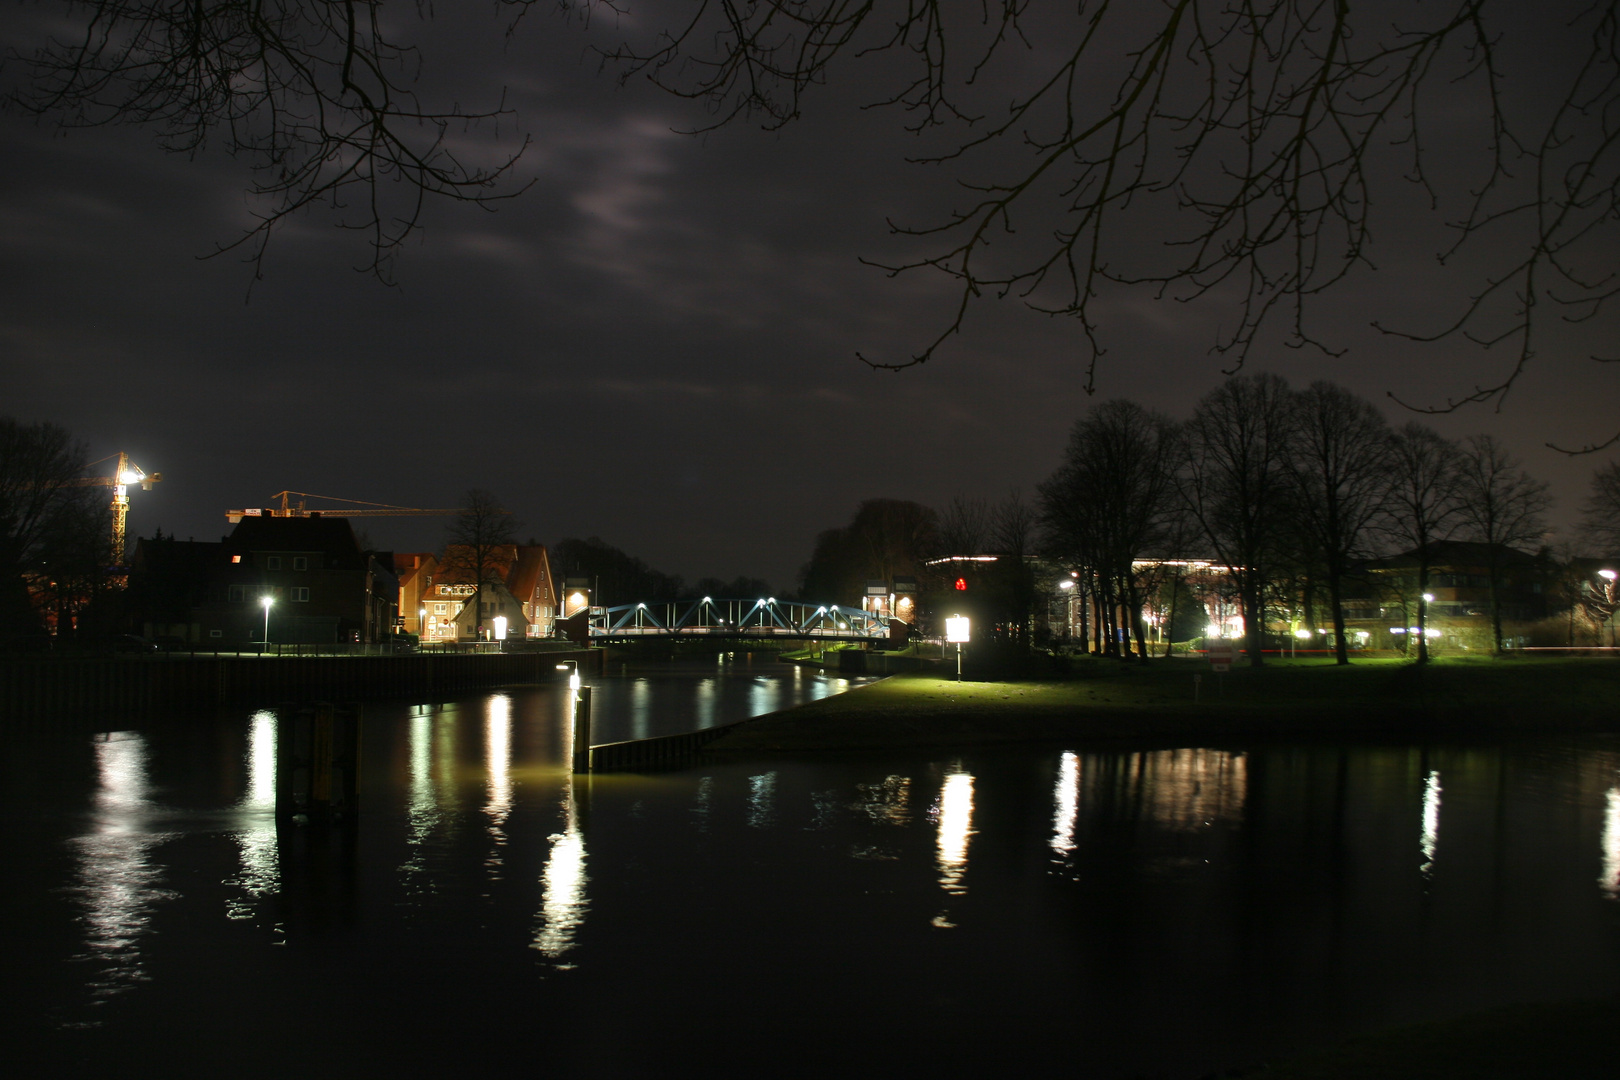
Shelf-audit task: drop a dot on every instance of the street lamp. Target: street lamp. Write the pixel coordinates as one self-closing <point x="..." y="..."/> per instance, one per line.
<point x="956" y="630"/>
<point x="264" y="646"/>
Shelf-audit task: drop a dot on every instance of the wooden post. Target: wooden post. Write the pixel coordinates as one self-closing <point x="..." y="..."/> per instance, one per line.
<point x="582" y="730"/>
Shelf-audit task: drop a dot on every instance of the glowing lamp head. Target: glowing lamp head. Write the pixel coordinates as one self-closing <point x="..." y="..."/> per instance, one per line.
<point x="131" y="476"/>
<point x="1606" y="575"/>
<point x="266" y="601"/>
<point x="956" y="629"/>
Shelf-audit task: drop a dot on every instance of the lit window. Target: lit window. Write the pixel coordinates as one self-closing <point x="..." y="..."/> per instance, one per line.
<point x="236" y="558"/>
<point x="300" y="595"/>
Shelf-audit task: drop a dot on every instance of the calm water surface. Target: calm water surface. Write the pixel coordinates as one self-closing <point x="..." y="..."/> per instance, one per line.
<point x="1160" y="914"/>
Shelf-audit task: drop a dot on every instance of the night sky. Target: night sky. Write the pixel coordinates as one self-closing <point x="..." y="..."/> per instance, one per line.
<point x="655" y="344"/>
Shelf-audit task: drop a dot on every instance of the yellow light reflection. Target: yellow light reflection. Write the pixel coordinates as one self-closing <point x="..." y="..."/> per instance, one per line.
<point x="498" y="765"/>
<point x="260" y="875"/>
<point x="955" y="827"/>
<point x="562" y="898"/>
<point x="1609" y="882"/>
<point x="117" y="878"/>
<point x="1066" y="798"/>
<point x="888" y="803"/>
<point x="1431" y="821"/>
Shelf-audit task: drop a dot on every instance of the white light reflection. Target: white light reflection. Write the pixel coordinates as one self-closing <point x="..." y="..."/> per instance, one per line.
<point x="421" y="811"/>
<point x="1431" y="820"/>
<point x="761" y="794"/>
<point x="498" y="765"/>
<point x="764" y="696"/>
<point x="640" y="708"/>
<point x="706" y="700"/>
<point x="955" y="826"/>
<point x="260" y="875"/>
<point x="117" y="879"/>
<point x="1609" y="882"/>
<point x="562" y="883"/>
<point x="1066" y="797"/>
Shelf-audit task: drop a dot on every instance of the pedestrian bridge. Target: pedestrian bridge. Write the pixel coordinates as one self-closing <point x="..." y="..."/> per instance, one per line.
<point x="765" y="618"/>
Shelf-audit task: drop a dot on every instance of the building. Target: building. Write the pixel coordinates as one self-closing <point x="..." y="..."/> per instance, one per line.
<point x="319" y="587"/>
<point x="518" y="587"/>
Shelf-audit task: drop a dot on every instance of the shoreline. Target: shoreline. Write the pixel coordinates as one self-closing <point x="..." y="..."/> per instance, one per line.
<point x="1171" y="702"/>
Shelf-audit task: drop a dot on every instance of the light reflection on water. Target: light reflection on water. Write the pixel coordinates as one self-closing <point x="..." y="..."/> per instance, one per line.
<point x="117" y="876"/>
<point x="260" y="873"/>
<point x="1261" y="897"/>
<point x="1431" y="821"/>
<point x="498" y="763"/>
<point x="1609" y="880"/>
<point x="562" y="903"/>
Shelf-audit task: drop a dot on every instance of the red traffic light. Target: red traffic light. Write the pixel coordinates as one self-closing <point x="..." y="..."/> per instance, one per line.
<point x="961" y="584"/>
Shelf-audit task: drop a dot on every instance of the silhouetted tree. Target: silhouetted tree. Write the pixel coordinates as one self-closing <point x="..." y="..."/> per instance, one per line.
<point x="1192" y="147"/>
<point x="886" y="538"/>
<point x="1502" y="507"/>
<point x="1339" y="475"/>
<point x="1111" y="502"/>
<point x="1422" y="505"/>
<point x="618" y="577"/>
<point x="1234" y="479"/>
<point x="478" y="536"/>
<point x="1600" y="517"/>
<point x="40" y="498"/>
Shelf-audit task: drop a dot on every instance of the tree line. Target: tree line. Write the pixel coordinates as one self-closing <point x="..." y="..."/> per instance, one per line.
<point x="1288" y="490"/>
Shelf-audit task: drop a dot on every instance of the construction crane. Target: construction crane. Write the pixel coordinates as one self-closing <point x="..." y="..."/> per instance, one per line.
<point x="126" y="474"/>
<point x="299" y="509"/>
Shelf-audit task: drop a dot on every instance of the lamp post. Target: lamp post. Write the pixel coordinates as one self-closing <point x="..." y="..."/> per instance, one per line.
<point x="956" y="630"/>
<point x="266" y="601"/>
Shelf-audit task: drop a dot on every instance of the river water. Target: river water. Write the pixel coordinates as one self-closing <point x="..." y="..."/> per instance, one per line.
<point x="1169" y="913"/>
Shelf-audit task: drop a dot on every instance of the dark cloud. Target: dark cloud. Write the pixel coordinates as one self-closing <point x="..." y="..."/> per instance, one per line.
<point x="654" y="344"/>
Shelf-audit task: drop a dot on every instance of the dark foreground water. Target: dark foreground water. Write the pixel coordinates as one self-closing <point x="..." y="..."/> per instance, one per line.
<point x="1162" y="914"/>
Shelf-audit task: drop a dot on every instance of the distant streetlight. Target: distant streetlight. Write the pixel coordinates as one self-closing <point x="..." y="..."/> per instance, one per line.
<point x="264" y="646"/>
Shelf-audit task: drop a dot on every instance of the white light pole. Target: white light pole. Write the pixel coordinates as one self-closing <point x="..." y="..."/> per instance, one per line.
<point x="264" y="646"/>
<point x="956" y="630"/>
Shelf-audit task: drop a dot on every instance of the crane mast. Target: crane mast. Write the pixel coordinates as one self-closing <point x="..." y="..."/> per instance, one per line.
<point x="123" y="476"/>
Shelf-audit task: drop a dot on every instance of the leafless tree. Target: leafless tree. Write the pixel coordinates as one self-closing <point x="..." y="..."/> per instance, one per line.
<point x="477" y="536"/>
<point x="1339" y="477"/>
<point x="1601" y="511"/>
<point x="1191" y="148"/>
<point x="1239" y="151"/>
<point x="1111" y="502"/>
<point x="964" y="526"/>
<point x="1234" y="480"/>
<point x="1423" y="505"/>
<point x="40" y="465"/>
<point x="1502" y="507"/>
<point x="317" y="96"/>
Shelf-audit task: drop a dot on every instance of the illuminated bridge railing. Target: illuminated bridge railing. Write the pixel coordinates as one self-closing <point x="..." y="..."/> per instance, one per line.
<point x="764" y="618"/>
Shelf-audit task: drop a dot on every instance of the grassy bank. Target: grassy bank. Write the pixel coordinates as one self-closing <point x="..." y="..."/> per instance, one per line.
<point x="1568" y="1040"/>
<point x="1180" y="699"/>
